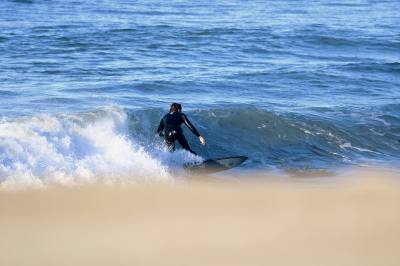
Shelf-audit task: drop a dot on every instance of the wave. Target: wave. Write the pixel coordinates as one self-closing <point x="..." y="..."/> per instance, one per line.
<point x="5" y="93"/>
<point x="112" y="145"/>
<point x="23" y="1"/>
<point x="286" y="140"/>
<point x="374" y="67"/>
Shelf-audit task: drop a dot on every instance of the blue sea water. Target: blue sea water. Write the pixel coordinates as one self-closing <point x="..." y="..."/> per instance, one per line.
<point x="294" y="85"/>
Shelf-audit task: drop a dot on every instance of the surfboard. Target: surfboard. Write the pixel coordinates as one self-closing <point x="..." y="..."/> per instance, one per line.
<point x="215" y="165"/>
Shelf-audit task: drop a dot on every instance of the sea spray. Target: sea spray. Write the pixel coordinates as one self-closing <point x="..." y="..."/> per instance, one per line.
<point x="70" y="149"/>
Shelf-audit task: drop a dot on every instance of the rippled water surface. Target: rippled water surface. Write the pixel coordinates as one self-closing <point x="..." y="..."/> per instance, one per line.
<point x="291" y="84"/>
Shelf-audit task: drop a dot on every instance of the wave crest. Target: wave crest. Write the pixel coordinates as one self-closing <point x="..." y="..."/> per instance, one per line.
<point x="69" y="149"/>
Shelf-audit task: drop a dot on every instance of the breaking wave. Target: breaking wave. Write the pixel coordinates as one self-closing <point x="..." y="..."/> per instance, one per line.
<point x="77" y="148"/>
<point x="112" y="145"/>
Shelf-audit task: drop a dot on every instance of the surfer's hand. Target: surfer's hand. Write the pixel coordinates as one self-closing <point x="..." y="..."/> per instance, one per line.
<point x="202" y="140"/>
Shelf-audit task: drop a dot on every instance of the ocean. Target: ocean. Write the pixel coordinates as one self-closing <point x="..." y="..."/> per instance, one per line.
<point x="297" y="86"/>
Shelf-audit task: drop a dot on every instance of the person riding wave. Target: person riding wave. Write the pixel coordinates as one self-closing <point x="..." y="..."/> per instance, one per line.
<point x="170" y="129"/>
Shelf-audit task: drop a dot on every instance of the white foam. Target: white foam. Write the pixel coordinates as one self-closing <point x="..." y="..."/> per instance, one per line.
<point x="348" y="145"/>
<point x="74" y="149"/>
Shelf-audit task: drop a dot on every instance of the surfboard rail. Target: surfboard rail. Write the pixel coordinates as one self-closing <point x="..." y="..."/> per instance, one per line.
<point x="214" y="165"/>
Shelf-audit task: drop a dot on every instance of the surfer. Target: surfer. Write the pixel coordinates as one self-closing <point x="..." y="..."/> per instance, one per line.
<point x="170" y="129"/>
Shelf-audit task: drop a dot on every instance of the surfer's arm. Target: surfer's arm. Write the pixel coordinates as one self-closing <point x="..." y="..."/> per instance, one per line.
<point x="160" y="128"/>
<point x="193" y="129"/>
<point x="190" y="125"/>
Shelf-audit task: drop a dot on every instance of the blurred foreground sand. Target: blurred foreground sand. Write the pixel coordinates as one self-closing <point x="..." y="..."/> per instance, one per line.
<point x="355" y="222"/>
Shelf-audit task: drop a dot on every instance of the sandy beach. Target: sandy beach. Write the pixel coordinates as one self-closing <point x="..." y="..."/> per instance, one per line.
<point x="351" y="222"/>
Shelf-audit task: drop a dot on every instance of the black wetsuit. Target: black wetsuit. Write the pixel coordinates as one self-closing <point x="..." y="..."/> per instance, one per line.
<point x="170" y="126"/>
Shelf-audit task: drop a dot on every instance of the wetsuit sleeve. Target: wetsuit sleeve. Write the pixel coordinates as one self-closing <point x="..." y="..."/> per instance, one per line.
<point x="160" y="127"/>
<point x="190" y="125"/>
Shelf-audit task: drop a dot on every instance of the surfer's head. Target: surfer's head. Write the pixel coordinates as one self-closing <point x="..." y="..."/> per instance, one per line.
<point x="175" y="107"/>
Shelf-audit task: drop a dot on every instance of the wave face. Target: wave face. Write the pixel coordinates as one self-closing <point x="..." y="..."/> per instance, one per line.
<point x="289" y="140"/>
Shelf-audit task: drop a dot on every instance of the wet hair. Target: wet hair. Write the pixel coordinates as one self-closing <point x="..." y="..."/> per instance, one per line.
<point x="175" y="107"/>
